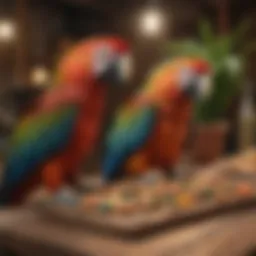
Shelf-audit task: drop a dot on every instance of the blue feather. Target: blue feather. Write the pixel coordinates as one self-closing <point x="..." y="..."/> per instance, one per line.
<point x="26" y="156"/>
<point x="124" y="141"/>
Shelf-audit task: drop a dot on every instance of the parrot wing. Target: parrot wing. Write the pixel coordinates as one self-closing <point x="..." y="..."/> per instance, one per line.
<point x="129" y="132"/>
<point x="34" y="141"/>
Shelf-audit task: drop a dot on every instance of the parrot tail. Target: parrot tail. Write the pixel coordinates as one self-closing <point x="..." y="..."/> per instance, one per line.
<point x="112" y="165"/>
<point x="4" y="197"/>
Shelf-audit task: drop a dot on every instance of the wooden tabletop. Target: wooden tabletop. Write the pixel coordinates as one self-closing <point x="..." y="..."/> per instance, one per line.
<point x="30" y="234"/>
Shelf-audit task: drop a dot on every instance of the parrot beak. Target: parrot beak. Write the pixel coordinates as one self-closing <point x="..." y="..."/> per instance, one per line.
<point x="114" y="69"/>
<point x="126" y="67"/>
<point x="205" y="78"/>
<point x="204" y="86"/>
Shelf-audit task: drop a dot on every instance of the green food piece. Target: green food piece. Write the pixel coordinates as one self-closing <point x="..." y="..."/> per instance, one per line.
<point x="167" y="198"/>
<point x="128" y="195"/>
<point x="207" y="194"/>
<point x="156" y="203"/>
<point x="105" y="207"/>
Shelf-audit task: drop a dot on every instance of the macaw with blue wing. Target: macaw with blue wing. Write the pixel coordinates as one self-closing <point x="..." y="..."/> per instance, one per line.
<point x="150" y="129"/>
<point x="50" y="142"/>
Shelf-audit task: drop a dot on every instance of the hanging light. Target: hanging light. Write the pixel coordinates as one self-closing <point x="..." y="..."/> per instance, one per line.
<point x="152" y="20"/>
<point x="40" y="76"/>
<point x="7" y="31"/>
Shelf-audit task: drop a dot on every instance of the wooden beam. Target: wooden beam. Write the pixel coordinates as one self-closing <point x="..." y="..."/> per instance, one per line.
<point x="22" y="44"/>
<point x="223" y="7"/>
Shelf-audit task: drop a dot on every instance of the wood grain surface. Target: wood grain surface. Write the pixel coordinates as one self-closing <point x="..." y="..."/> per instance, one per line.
<point x="143" y="223"/>
<point x="28" y="233"/>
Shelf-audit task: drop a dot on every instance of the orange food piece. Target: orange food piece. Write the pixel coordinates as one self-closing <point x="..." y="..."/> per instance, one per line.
<point x="244" y="190"/>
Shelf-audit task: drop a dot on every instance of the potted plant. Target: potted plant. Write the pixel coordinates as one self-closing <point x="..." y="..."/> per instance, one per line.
<point x="228" y="72"/>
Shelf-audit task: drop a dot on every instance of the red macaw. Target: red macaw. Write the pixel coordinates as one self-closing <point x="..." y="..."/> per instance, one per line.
<point x="49" y="144"/>
<point x="149" y="130"/>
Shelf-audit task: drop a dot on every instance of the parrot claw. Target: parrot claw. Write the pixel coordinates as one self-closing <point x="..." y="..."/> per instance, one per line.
<point x="41" y="195"/>
<point x="152" y="176"/>
<point x="184" y="170"/>
<point x="66" y="196"/>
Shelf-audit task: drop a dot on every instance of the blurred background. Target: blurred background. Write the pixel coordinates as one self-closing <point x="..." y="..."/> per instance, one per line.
<point x="35" y="33"/>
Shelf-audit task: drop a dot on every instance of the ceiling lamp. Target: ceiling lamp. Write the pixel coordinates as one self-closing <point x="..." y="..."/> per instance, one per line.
<point x="7" y="31"/>
<point x="152" y="19"/>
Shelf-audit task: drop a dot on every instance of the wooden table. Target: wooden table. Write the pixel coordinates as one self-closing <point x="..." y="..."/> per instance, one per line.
<point x="29" y="234"/>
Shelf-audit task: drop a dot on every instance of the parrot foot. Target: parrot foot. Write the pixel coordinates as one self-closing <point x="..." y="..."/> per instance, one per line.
<point x="66" y="196"/>
<point x="152" y="176"/>
<point x="183" y="171"/>
<point x="40" y="195"/>
<point x="52" y="176"/>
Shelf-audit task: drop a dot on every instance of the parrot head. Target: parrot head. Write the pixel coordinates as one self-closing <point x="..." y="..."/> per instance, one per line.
<point x="195" y="78"/>
<point x="104" y="59"/>
<point x="177" y="78"/>
<point x="112" y="61"/>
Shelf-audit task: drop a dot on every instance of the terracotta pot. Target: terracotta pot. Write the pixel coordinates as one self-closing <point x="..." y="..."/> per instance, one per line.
<point x="208" y="141"/>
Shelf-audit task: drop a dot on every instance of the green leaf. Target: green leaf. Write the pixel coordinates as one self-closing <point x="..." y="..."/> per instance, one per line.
<point x="206" y="33"/>
<point x="188" y="48"/>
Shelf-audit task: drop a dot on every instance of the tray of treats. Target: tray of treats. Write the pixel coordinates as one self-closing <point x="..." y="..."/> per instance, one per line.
<point x="137" y="207"/>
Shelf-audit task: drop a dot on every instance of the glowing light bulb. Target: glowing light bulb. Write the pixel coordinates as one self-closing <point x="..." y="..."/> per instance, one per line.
<point x="7" y="31"/>
<point x="40" y="76"/>
<point x="152" y="22"/>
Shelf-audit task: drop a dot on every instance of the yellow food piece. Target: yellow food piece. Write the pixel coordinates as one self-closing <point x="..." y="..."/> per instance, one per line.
<point x="244" y="190"/>
<point x="185" y="200"/>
